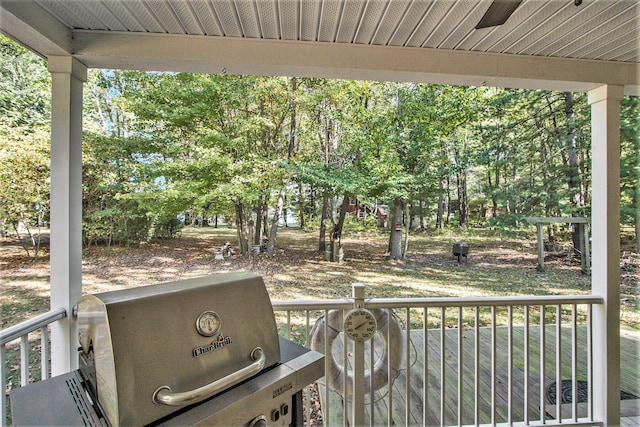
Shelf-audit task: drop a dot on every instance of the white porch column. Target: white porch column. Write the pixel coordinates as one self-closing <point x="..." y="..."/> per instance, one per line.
<point x="67" y="76"/>
<point x="605" y="279"/>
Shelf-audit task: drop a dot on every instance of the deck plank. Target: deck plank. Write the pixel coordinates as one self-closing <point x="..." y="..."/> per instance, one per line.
<point x="630" y="377"/>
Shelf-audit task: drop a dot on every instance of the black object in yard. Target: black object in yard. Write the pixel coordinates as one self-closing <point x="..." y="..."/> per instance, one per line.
<point x="460" y="250"/>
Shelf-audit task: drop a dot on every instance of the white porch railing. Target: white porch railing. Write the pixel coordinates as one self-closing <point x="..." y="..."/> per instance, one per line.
<point x="29" y="357"/>
<point x="465" y="361"/>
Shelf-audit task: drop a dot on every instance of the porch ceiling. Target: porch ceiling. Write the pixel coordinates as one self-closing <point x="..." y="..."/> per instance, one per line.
<point x="544" y="44"/>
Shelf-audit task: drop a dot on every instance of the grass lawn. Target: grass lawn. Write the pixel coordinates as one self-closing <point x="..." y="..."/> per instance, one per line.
<point x="496" y="265"/>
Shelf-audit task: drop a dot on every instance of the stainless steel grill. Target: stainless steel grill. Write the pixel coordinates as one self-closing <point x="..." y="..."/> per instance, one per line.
<point x="197" y="351"/>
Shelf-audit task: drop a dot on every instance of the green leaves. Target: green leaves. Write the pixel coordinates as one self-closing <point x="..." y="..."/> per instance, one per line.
<point x="25" y="95"/>
<point x="157" y="145"/>
<point x="24" y="174"/>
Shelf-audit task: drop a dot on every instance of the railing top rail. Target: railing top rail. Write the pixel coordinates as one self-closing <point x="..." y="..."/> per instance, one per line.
<point x="279" y="305"/>
<point x="312" y="304"/>
<point x="16" y="331"/>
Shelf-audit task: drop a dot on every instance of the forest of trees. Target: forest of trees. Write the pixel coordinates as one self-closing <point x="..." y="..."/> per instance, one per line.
<point x="161" y="149"/>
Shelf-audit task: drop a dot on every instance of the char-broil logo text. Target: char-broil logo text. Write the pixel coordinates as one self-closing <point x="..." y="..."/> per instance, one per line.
<point x="220" y="342"/>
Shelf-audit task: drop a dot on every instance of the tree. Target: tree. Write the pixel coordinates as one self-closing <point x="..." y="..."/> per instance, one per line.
<point x="630" y="164"/>
<point x="24" y="141"/>
<point x="326" y="162"/>
<point x="377" y="148"/>
<point x="279" y="118"/>
<point x="160" y="145"/>
<point x="191" y="124"/>
<point x="576" y="190"/>
<point x="24" y="174"/>
<point x="25" y="88"/>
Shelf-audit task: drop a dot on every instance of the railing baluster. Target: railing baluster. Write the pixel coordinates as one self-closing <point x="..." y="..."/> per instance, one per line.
<point x="389" y="378"/>
<point x="589" y="362"/>
<point x="425" y="367"/>
<point x="543" y="357"/>
<point x="3" y="384"/>
<point x="558" y="362"/>
<point x="309" y="394"/>
<point x="574" y="362"/>
<point x="476" y="381"/>
<point x="460" y="388"/>
<point x="510" y="379"/>
<point x="307" y="330"/>
<point x="443" y="383"/>
<point x="24" y="360"/>
<point x="493" y="365"/>
<point x="345" y="363"/>
<point x="372" y="395"/>
<point x="526" y="364"/>
<point x="326" y="410"/>
<point x="288" y="324"/>
<point x="407" y="354"/>
<point x="44" y="352"/>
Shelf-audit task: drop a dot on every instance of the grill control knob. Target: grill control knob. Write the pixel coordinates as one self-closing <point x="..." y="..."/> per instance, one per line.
<point x="259" y="421"/>
<point x="284" y="409"/>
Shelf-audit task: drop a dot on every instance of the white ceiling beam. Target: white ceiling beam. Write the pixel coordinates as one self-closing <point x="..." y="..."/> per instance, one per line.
<point x="34" y="27"/>
<point x="153" y="52"/>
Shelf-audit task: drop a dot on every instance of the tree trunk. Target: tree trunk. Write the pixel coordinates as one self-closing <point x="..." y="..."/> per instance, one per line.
<point x="440" y="218"/>
<point x="448" y="201"/>
<point x="463" y="203"/>
<point x="548" y="208"/>
<point x="407" y="227"/>
<point x="292" y="128"/>
<point x="241" y="229"/>
<point x="637" y="231"/>
<point x="257" y="237"/>
<point x="635" y="199"/>
<point x="301" y="223"/>
<point x="337" y="231"/>
<point x="312" y="203"/>
<point x="441" y="208"/>
<point x="395" y="237"/>
<point x="494" y="197"/>
<point x="274" y="225"/>
<point x="265" y="221"/>
<point x="573" y="175"/>
<point x="322" y="239"/>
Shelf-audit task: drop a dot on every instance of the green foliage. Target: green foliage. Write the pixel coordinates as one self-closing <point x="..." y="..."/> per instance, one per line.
<point x="24" y="174"/>
<point x="353" y="223"/>
<point x="525" y="155"/>
<point x="159" y="146"/>
<point x="24" y="137"/>
<point x="630" y="160"/>
<point x="24" y="88"/>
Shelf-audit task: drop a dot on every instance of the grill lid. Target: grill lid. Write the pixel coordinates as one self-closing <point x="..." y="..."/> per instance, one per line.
<point x="151" y="350"/>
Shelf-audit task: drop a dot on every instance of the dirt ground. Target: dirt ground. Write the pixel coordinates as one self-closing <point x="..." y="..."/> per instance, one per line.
<point x="496" y="266"/>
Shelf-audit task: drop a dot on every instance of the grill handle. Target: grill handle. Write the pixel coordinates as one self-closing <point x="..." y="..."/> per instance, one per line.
<point x="164" y="396"/>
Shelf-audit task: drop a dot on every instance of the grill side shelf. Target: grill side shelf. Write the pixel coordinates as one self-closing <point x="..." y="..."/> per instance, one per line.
<point x="33" y="405"/>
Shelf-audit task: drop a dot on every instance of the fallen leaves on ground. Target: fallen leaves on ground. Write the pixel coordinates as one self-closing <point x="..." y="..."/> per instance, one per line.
<point x="496" y="266"/>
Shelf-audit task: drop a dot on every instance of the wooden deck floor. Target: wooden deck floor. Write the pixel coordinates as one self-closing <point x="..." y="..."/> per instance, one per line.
<point x="408" y="403"/>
